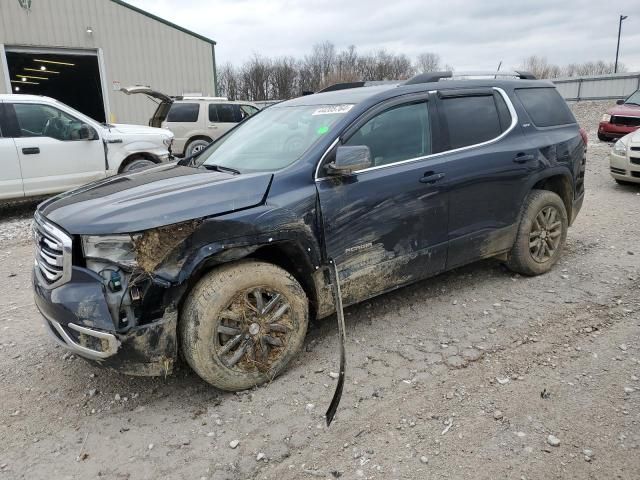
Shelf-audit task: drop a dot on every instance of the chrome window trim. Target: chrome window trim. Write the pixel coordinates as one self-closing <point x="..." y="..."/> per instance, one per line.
<point x="514" y="122"/>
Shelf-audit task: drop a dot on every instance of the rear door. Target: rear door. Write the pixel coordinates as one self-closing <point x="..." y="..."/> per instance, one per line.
<point x="222" y="118"/>
<point x="53" y="157"/>
<point x="10" y="174"/>
<point x="386" y="226"/>
<point x="489" y="161"/>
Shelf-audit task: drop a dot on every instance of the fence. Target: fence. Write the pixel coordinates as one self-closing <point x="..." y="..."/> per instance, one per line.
<point x="598" y="87"/>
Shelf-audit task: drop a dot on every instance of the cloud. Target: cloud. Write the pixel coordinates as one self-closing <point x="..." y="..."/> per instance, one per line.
<point x="468" y="34"/>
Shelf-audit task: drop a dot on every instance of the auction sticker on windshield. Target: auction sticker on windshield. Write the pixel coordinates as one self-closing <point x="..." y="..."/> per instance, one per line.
<point x="332" y="109"/>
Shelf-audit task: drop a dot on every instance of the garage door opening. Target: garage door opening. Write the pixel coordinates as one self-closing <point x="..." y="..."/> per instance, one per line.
<point x="72" y="79"/>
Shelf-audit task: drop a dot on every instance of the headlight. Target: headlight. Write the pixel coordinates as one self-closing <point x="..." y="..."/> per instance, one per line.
<point x="118" y="249"/>
<point x="620" y="148"/>
<point x="606" y="117"/>
<point x="167" y="142"/>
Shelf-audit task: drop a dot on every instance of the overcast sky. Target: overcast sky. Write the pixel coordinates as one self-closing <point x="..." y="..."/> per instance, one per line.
<point x="467" y="34"/>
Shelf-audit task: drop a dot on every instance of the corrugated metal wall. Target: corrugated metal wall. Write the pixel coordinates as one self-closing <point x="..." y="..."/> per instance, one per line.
<point x="136" y="49"/>
<point x="598" y="87"/>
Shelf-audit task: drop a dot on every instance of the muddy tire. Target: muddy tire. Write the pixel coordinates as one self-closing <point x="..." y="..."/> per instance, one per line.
<point x="541" y="235"/>
<point x="242" y="324"/>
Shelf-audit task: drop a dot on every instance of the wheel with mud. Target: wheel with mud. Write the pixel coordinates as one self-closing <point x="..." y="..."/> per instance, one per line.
<point x="242" y="324"/>
<point x="541" y="235"/>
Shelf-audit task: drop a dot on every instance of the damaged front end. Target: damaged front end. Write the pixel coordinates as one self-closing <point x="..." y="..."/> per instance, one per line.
<point x="112" y="308"/>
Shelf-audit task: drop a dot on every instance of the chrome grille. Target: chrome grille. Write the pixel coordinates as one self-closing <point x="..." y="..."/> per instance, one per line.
<point x="52" y="253"/>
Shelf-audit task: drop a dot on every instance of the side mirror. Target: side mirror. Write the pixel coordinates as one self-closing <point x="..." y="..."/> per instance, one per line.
<point x="350" y="159"/>
<point x="619" y="102"/>
<point x="87" y="133"/>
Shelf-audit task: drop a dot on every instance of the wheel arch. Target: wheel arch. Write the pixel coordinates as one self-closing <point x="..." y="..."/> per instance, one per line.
<point x="198" y="136"/>
<point x="137" y="156"/>
<point x="560" y="183"/>
<point x="288" y="255"/>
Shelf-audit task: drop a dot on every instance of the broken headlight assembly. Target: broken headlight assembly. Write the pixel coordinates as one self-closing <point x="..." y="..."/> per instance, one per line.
<point x="117" y="249"/>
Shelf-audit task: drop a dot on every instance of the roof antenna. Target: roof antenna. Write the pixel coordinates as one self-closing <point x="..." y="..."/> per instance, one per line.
<point x="499" y="65"/>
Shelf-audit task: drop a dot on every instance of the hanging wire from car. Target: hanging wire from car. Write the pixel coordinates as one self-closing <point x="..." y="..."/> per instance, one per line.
<point x="337" y="298"/>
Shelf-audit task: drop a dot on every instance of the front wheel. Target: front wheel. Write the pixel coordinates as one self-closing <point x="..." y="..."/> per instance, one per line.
<point x="139" y="165"/>
<point x="242" y="324"/>
<point x="541" y="235"/>
<point x="196" y="146"/>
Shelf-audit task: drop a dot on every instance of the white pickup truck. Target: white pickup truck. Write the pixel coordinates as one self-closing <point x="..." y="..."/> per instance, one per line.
<point x="48" y="147"/>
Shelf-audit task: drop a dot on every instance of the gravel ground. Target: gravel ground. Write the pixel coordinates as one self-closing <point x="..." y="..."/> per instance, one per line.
<point x="477" y="373"/>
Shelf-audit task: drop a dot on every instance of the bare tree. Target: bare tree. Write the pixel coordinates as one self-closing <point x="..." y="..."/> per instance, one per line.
<point x="428" y="62"/>
<point x="543" y="69"/>
<point x="255" y="76"/>
<point x="228" y="81"/>
<point x="284" y="78"/>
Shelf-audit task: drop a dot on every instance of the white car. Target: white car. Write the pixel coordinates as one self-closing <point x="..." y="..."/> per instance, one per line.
<point x="624" y="159"/>
<point x="195" y="121"/>
<point x="48" y="147"/>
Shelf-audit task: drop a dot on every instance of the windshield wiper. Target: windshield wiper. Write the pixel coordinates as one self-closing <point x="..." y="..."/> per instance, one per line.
<point x="221" y="168"/>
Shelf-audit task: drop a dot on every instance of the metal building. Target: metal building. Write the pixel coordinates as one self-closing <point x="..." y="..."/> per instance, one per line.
<point x="82" y="51"/>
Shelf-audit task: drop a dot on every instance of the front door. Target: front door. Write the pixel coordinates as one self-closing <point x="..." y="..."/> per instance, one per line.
<point x="386" y="226"/>
<point x="53" y="156"/>
<point x="10" y="175"/>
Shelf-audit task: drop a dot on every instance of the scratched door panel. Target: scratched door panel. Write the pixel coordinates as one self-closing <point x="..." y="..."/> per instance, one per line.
<point x="384" y="228"/>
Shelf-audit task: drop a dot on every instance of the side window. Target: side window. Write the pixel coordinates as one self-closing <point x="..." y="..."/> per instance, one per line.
<point x="503" y="112"/>
<point x="228" y="113"/>
<point x="36" y="120"/>
<point x="247" y="111"/>
<point x="213" y="113"/>
<point x="183" y="112"/>
<point x="471" y="120"/>
<point x="397" y="134"/>
<point x="545" y="106"/>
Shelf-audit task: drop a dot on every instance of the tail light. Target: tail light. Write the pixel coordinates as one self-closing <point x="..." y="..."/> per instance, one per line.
<point x="583" y="134"/>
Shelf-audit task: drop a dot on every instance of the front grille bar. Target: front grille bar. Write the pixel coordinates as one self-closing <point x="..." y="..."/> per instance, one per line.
<point x="53" y="253"/>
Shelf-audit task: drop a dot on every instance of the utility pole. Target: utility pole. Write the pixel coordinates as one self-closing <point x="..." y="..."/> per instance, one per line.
<point x="622" y="17"/>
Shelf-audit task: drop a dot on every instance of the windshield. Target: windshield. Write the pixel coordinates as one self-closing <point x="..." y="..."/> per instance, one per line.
<point x="273" y="139"/>
<point x="634" y="98"/>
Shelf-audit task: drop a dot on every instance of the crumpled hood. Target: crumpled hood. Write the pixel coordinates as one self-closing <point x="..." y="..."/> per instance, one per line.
<point x="625" y="110"/>
<point x="125" y="129"/>
<point x="155" y="197"/>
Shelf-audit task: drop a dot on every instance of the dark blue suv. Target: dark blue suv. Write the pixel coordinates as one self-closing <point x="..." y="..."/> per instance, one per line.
<point x="226" y="256"/>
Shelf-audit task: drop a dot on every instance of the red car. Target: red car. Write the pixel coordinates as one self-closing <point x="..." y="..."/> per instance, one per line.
<point x="622" y="119"/>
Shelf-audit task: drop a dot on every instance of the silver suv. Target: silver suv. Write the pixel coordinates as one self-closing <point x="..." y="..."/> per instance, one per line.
<point x="195" y="121"/>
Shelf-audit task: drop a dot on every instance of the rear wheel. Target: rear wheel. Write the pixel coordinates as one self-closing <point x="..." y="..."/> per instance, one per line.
<point x="242" y="324"/>
<point x="541" y="235"/>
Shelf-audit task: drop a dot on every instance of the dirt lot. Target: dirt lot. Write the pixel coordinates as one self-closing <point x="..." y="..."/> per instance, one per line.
<point x="462" y="376"/>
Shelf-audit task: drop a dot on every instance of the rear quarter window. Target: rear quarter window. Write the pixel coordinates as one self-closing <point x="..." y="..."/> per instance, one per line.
<point x="184" y="112"/>
<point x="545" y="106"/>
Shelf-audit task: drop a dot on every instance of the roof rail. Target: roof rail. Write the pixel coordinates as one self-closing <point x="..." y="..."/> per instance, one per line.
<point x="429" y="77"/>
<point x="341" y="86"/>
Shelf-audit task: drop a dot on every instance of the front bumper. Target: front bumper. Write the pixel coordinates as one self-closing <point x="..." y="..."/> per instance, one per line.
<point x="625" y="168"/>
<point x="78" y="318"/>
<point x="614" y="130"/>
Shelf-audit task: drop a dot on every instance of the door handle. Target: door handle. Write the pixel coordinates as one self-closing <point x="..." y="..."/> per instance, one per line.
<point x="31" y="150"/>
<point x="213" y="126"/>
<point x="523" y="157"/>
<point x="431" y="177"/>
